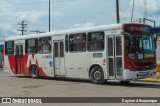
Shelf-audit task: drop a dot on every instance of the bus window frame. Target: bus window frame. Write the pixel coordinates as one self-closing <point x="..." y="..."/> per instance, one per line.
<point x="26" y="47"/>
<point x="77" y="51"/>
<point x="6" y="53"/>
<point x="49" y="48"/>
<point x="100" y="41"/>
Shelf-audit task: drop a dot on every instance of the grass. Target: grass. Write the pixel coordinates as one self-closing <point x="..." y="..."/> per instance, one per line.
<point x="157" y="77"/>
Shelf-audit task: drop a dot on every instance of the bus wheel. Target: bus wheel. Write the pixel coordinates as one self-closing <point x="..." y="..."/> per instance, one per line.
<point x="34" y="72"/>
<point x="97" y="75"/>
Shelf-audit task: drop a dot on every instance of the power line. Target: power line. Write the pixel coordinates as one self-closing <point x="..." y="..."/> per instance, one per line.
<point x="23" y="25"/>
<point x="145" y="10"/>
<point x="140" y="7"/>
<point x="22" y="3"/>
<point x="36" y="2"/>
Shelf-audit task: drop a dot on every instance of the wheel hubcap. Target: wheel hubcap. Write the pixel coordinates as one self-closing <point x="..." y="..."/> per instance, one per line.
<point x="97" y="75"/>
<point x="34" y="72"/>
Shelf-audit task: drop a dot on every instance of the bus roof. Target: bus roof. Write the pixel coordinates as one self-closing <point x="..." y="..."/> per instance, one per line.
<point x="70" y="31"/>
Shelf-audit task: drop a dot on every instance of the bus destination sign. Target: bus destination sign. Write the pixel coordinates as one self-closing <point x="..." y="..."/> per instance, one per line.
<point x="137" y="29"/>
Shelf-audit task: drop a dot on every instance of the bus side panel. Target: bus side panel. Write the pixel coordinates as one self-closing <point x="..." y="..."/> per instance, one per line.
<point x="15" y="65"/>
<point x="36" y="60"/>
<point x="12" y="63"/>
<point x="45" y="63"/>
<point x="22" y="66"/>
<point x="19" y="64"/>
<point x="78" y="64"/>
<point x="9" y="64"/>
<point x="26" y="69"/>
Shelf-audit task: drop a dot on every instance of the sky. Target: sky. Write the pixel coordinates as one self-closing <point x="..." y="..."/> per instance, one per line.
<point x="67" y="14"/>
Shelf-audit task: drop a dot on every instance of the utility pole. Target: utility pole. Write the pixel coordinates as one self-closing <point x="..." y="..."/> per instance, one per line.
<point x="117" y="9"/>
<point x="49" y="15"/>
<point x="132" y="10"/>
<point x="23" y="26"/>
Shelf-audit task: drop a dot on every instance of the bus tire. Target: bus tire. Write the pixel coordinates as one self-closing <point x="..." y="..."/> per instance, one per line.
<point x="34" y="72"/>
<point x="97" y="75"/>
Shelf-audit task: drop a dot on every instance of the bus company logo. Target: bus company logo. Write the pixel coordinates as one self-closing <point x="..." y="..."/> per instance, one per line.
<point x="6" y="100"/>
<point x="32" y="59"/>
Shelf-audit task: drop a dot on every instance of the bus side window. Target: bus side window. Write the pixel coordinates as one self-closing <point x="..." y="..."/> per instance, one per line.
<point x="95" y="41"/>
<point x="31" y="46"/>
<point x="77" y="42"/>
<point x="45" y="45"/>
<point x="9" y="47"/>
<point x="118" y="45"/>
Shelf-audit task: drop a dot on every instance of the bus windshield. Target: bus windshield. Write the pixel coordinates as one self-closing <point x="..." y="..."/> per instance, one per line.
<point x="140" y="46"/>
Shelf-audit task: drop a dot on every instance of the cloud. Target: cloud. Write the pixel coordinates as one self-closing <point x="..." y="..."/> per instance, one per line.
<point x="6" y="26"/>
<point x="32" y="16"/>
<point x="7" y="30"/>
<point x="87" y="24"/>
<point x="150" y="6"/>
<point x="5" y="7"/>
<point x="10" y="16"/>
<point x="153" y="7"/>
<point x="7" y="10"/>
<point x="125" y="16"/>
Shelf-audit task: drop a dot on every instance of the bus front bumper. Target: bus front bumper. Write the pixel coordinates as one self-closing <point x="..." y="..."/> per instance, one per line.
<point x="130" y="75"/>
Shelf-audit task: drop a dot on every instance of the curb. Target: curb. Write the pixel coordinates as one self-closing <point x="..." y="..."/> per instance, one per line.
<point x="149" y="80"/>
<point x="153" y="79"/>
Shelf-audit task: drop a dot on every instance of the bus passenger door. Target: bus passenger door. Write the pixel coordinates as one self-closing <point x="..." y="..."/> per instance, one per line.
<point x="58" y="51"/>
<point x="115" y="65"/>
<point x="19" y="58"/>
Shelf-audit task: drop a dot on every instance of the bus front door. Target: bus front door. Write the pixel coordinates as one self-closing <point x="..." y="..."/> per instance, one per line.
<point x="115" y="65"/>
<point x="19" y="58"/>
<point x="58" y="51"/>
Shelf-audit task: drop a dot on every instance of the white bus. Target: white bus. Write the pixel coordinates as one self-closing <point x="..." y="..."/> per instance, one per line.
<point x="120" y="52"/>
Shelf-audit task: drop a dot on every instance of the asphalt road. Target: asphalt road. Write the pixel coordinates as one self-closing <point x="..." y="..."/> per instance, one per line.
<point x="21" y="86"/>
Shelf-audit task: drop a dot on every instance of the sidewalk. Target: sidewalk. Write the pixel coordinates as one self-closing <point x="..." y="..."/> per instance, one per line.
<point x="153" y="79"/>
